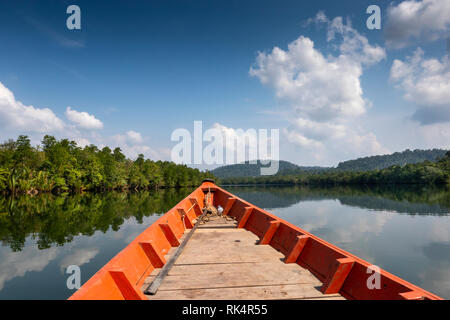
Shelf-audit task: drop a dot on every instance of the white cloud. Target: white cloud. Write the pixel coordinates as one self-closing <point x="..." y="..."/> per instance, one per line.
<point x="365" y="143"/>
<point x="323" y="91"/>
<point x="134" y="136"/>
<point x="241" y="144"/>
<point x="130" y="137"/>
<point x="83" y="119"/>
<point x="436" y="135"/>
<point x="132" y="144"/>
<point x="82" y="142"/>
<point x="411" y="21"/>
<point x="343" y="143"/>
<point x="319" y="131"/>
<point x="300" y="139"/>
<point x="78" y="257"/>
<point x="425" y="82"/>
<point x="14" y="115"/>
<point x="320" y="87"/>
<point x="316" y="86"/>
<point x="17" y="264"/>
<point x="17" y="118"/>
<point x="437" y="278"/>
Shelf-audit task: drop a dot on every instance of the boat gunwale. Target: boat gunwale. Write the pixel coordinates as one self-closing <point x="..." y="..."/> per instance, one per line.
<point x="337" y="249"/>
<point x="111" y="264"/>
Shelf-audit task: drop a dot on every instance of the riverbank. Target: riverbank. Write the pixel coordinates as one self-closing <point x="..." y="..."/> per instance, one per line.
<point x="60" y="166"/>
<point x="424" y="173"/>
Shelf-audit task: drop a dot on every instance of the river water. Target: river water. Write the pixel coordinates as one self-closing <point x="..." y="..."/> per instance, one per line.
<point x="406" y="231"/>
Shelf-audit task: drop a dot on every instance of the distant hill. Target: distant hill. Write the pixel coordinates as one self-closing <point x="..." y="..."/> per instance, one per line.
<point x="385" y="161"/>
<point x="253" y="170"/>
<point x="361" y="164"/>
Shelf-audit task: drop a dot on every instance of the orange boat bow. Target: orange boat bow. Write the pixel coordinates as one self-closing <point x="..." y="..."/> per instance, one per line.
<point x="341" y="272"/>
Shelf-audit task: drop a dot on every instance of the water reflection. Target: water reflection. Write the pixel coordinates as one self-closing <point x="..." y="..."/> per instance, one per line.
<point x="404" y="230"/>
<point x="43" y="235"/>
<point x="414" y="199"/>
<point x="55" y="220"/>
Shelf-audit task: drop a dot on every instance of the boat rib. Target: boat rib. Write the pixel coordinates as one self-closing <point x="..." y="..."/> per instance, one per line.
<point x="245" y="253"/>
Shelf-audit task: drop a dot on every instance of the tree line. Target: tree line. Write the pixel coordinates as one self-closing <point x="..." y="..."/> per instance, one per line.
<point x="427" y="172"/>
<point x="63" y="166"/>
<point x="248" y="169"/>
<point x="388" y="160"/>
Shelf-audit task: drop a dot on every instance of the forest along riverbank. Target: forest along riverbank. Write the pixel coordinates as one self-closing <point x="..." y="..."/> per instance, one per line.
<point x="424" y="173"/>
<point x="63" y="166"/>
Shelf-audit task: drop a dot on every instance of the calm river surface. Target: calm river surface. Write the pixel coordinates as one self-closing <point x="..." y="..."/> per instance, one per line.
<point x="403" y="230"/>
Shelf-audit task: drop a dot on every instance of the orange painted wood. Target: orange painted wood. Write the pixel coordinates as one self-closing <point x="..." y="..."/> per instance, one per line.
<point x="296" y="250"/>
<point x="323" y="259"/>
<point x="187" y="220"/>
<point x="196" y="206"/>
<point x="340" y="271"/>
<point x="412" y="295"/>
<point x="213" y="188"/>
<point x="229" y="205"/>
<point x="273" y="226"/>
<point x="127" y="290"/>
<point x="191" y="212"/>
<point x="170" y="235"/>
<point x="100" y="287"/>
<point x="154" y="255"/>
<point x="176" y="224"/>
<point x="246" y="215"/>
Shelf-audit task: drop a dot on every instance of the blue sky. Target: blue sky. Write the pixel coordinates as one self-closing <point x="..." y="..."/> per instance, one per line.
<point x="137" y="70"/>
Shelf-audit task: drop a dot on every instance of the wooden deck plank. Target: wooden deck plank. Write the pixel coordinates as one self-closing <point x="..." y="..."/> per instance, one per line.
<point x="223" y="262"/>
<point x="233" y="275"/>
<point x="212" y="255"/>
<point x="274" y="292"/>
<point x="236" y="268"/>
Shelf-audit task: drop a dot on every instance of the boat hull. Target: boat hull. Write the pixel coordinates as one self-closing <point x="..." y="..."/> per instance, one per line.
<point x="338" y="270"/>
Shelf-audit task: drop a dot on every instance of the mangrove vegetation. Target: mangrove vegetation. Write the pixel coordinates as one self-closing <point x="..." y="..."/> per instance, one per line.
<point x="426" y="173"/>
<point x="63" y="166"/>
